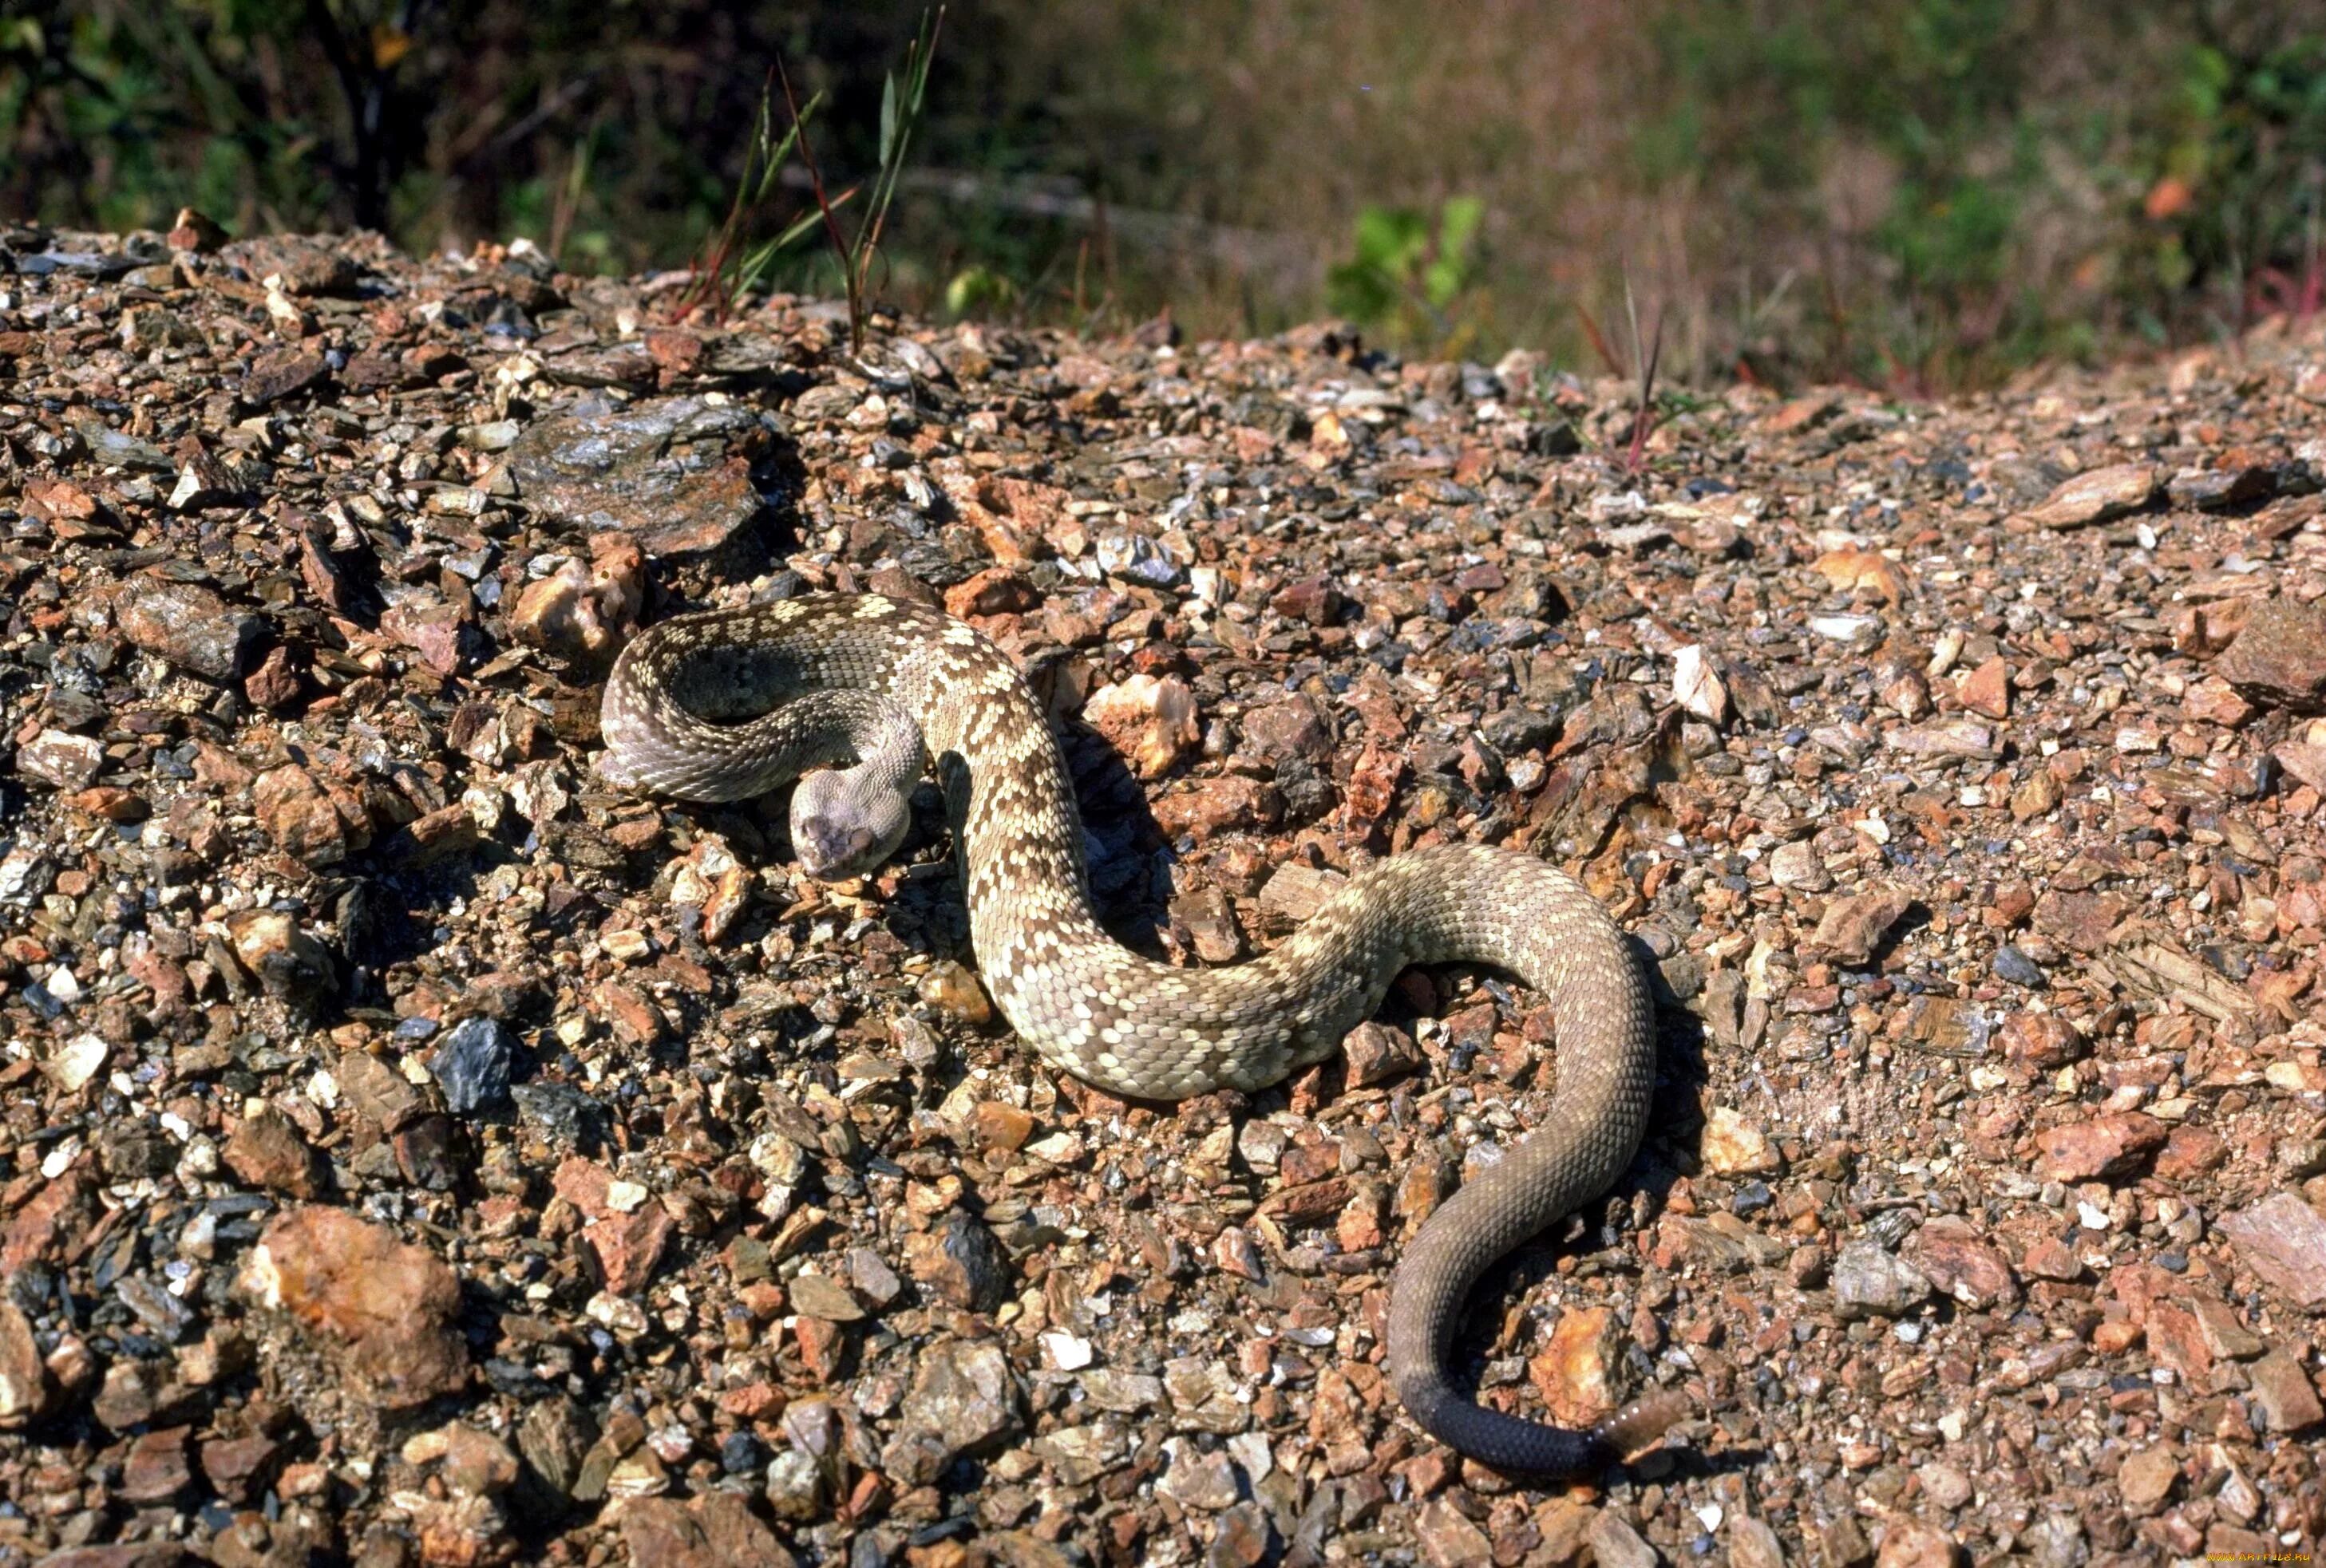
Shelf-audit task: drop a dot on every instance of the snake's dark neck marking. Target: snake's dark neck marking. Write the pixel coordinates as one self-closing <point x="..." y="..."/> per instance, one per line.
<point x="1090" y="1008"/>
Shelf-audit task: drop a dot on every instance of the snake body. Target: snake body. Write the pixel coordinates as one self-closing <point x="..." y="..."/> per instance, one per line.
<point x="703" y="707"/>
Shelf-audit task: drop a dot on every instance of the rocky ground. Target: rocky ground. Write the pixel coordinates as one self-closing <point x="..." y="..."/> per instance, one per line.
<point x="411" y="1151"/>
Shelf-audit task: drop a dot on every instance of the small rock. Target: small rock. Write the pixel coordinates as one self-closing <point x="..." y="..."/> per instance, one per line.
<point x="584" y="613"/>
<point x="61" y="760"/>
<point x="1376" y="1053"/>
<point x="1751" y="1543"/>
<point x="1798" y="867"/>
<point x="963" y="1397"/>
<point x="956" y="992"/>
<point x="283" y="372"/>
<point x="1986" y="690"/>
<point x="2284" y="1391"/>
<point x="996" y="1125"/>
<point x="962" y="1262"/>
<point x="1733" y="1147"/>
<point x="2016" y="967"/>
<point x="2283" y="1240"/>
<point x="1854" y="926"/>
<point x="1697" y="687"/>
<point x="298" y="265"/>
<point x="1448" y="1538"/>
<point x="1150" y="722"/>
<point x="387" y="1307"/>
<point x="2095" y="497"/>
<point x="471" y="1065"/>
<point x="716" y="1529"/>
<point x="629" y="1246"/>
<point x="1868" y="1282"/>
<point x="1959" y="1262"/>
<point x="2190" y="1150"/>
<point x="187" y="624"/>
<point x="820" y="1295"/>
<point x="159" y="1467"/>
<point x="305" y="819"/>
<point x="2106" y="1146"/>
<point x="996" y="590"/>
<point x="1615" y="1543"/>
<point x="2041" y="1041"/>
<point x="2280" y="657"/>
<point x="1197" y="1479"/>
<point x="673" y="474"/>
<point x="1574" y="1372"/>
<point x="710" y="878"/>
<point x="2146" y="1479"/>
<point x="266" y="1151"/>
<point x="287" y="962"/>
<point x="25" y="1387"/>
<point x="1909" y="1542"/>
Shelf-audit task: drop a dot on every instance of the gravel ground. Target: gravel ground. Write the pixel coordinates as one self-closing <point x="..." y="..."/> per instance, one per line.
<point x="411" y="1151"/>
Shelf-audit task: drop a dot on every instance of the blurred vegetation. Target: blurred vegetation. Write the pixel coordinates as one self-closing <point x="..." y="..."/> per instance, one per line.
<point x="1914" y="193"/>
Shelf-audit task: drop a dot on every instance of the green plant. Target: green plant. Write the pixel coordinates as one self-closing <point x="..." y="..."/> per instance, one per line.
<point x="977" y="288"/>
<point x="1410" y="271"/>
<point x="900" y="115"/>
<point x="721" y="276"/>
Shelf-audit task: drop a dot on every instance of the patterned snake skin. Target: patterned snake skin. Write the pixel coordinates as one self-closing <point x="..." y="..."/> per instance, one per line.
<point x="694" y="708"/>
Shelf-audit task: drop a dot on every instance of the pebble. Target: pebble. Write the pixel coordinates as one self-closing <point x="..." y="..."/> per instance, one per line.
<point x="1868" y="1282"/>
<point x="1733" y="1147"/>
<point x="2283" y="1240"/>
<point x="471" y="1065"/>
<point x="385" y="1307"/>
<point x="963" y="1397"/>
<point x="187" y="624"/>
<point x="962" y="1262"/>
<point x="2095" y="497"/>
<point x="2279" y="659"/>
<point x="2103" y="1146"/>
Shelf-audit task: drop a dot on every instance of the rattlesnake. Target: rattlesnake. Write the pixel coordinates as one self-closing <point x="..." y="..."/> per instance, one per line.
<point x="728" y="703"/>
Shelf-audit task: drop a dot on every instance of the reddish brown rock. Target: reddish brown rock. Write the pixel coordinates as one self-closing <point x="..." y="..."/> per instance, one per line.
<point x="266" y="1151"/>
<point x="2283" y="1240"/>
<point x="630" y="1246"/>
<point x="1576" y="1371"/>
<point x="1376" y="1053"/>
<point x="159" y="1466"/>
<point x="1852" y="927"/>
<point x="25" y="1390"/>
<point x="2041" y="1041"/>
<point x="2095" y="497"/>
<point x="385" y="1307"/>
<point x="997" y="590"/>
<point x="2190" y="1151"/>
<point x="2280" y="657"/>
<point x="187" y="624"/>
<point x="1227" y="805"/>
<point x="1987" y="689"/>
<point x="714" y="1530"/>
<point x="1149" y="722"/>
<point x="2285" y="1390"/>
<point x="304" y="819"/>
<point x="2106" y="1145"/>
<point x="1962" y="1262"/>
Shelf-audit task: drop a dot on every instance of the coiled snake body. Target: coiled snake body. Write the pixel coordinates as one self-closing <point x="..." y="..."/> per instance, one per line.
<point x="725" y="704"/>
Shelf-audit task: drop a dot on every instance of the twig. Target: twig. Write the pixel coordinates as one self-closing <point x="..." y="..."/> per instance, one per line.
<point x="1645" y="420"/>
<point x="815" y="174"/>
<point x="1598" y="341"/>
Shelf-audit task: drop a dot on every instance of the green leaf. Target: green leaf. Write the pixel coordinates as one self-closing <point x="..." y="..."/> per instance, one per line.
<point x="1458" y="227"/>
<point x="887" y="118"/>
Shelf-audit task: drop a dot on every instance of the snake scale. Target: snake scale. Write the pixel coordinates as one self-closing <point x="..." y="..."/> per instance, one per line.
<point x="728" y="703"/>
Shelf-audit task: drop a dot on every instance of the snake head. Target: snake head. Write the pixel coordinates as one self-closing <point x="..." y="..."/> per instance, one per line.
<point x="832" y="849"/>
<point x="842" y="828"/>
